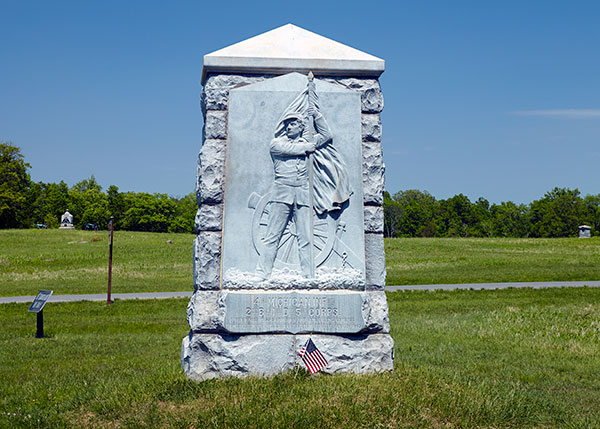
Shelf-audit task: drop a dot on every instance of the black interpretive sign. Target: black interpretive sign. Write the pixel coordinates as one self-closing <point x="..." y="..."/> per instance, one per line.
<point x="40" y="300"/>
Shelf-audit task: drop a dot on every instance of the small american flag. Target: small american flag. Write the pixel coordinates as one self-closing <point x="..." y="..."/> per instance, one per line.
<point x="312" y="357"/>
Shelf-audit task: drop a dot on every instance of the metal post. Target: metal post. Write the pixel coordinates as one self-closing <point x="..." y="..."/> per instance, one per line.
<point x="110" y="248"/>
<point x="39" y="333"/>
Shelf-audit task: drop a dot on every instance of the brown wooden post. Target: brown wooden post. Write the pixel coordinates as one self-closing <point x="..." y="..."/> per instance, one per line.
<point x="110" y="248"/>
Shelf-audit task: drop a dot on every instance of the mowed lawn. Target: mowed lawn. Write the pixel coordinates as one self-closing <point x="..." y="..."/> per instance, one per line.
<point x="505" y="358"/>
<point x="489" y="260"/>
<point x="77" y="261"/>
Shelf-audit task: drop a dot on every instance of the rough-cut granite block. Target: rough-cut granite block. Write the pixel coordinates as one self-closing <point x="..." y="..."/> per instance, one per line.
<point x="205" y="356"/>
<point x="209" y="217"/>
<point x="370" y="92"/>
<point x="371" y="127"/>
<point x="373" y="174"/>
<point x="202" y="311"/>
<point x="378" y="320"/>
<point x="372" y="100"/>
<point x="373" y="219"/>
<point x="356" y="83"/>
<point x="215" y="94"/>
<point x="211" y="172"/>
<point x="207" y="260"/>
<point x="375" y="275"/>
<point x="360" y="354"/>
<point x="215" y="124"/>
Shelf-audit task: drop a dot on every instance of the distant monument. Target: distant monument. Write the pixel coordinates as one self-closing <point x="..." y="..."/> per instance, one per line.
<point x="66" y="221"/>
<point x="289" y="229"/>
<point x="585" y="231"/>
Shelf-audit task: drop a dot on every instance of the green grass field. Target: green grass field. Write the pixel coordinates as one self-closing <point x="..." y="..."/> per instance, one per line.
<point x="506" y="358"/>
<point x="490" y="260"/>
<point x="76" y="261"/>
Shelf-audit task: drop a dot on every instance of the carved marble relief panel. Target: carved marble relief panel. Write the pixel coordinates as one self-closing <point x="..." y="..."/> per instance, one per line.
<point x="293" y="184"/>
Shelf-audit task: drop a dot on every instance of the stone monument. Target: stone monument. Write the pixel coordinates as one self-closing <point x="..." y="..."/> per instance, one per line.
<point x="290" y="223"/>
<point x="585" y="231"/>
<point x="66" y="221"/>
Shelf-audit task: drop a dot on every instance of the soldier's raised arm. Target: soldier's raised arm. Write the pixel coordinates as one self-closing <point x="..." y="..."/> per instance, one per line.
<point x="283" y="147"/>
<point x="322" y="128"/>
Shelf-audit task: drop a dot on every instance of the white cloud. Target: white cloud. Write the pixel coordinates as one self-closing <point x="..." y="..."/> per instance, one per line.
<point x="561" y="113"/>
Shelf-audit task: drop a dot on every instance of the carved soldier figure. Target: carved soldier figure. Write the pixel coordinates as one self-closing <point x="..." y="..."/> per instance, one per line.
<point x="291" y="191"/>
<point x="309" y="175"/>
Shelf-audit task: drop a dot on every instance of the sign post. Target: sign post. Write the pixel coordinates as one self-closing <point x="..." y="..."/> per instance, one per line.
<point x="110" y="248"/>
<point x="37" y="306"/>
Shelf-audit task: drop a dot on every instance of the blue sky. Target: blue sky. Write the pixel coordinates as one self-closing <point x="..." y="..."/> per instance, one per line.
<point x="492" y="99"/>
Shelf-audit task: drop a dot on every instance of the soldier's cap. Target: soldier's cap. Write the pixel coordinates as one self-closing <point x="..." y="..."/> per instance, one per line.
<point x="293" y="115"/>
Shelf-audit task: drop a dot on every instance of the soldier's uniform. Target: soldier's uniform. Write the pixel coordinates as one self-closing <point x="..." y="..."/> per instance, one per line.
<point x="290" y="196"/>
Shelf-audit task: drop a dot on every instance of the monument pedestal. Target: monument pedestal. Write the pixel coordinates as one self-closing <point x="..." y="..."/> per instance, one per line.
<point x="290" y="181"/>
<point x="261" y="332"/>
<point x="205" y="356"/>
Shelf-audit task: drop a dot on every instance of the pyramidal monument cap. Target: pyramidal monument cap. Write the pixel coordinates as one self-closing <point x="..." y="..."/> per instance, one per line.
<point x="291" y="48"/>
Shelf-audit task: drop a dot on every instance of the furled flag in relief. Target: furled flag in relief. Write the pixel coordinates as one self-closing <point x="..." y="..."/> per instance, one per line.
<point x="331" y="179"/>
<point x="312" y="357"/>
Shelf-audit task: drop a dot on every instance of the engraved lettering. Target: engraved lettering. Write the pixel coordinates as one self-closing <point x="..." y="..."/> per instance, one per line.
<point x="294" y="312"/>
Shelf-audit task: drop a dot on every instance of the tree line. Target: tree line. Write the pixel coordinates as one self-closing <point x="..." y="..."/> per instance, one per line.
<point x="559" y="213"/>
<point x="25" y="204"/>
<point x="410" y="213"/>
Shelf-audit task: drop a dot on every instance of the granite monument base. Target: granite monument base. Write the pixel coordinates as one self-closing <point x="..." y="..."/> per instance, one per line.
<point x="261" y="332"/>
<point x="216" y="355"/>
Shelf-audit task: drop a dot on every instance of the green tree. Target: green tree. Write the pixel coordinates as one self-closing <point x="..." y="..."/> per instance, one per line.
<point x="591" y="215"/>
<point x="26" y="214"/>
<point x="146" y="212"/>
<point x="417" y="210"/>
<point x="558" y="214"/>
<point x="14" y="183"/>
<point x="185" y="214"/>
<point x="51" y="201"/>
<point x="392" y="213"/>
<point x="481" y="219"/>
<point x="117" y="205"/>
<point x="88" y="204"/>
<point x="510" y="220"/>
<point x="455" y="217"/>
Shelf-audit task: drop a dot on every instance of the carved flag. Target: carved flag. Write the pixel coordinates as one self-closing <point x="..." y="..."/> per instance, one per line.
<point x="312" y="357"/>
<point x="331" y="180"/>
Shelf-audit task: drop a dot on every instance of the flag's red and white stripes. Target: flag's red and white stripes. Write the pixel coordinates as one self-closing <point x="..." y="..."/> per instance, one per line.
<point x="312" y="357"/>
